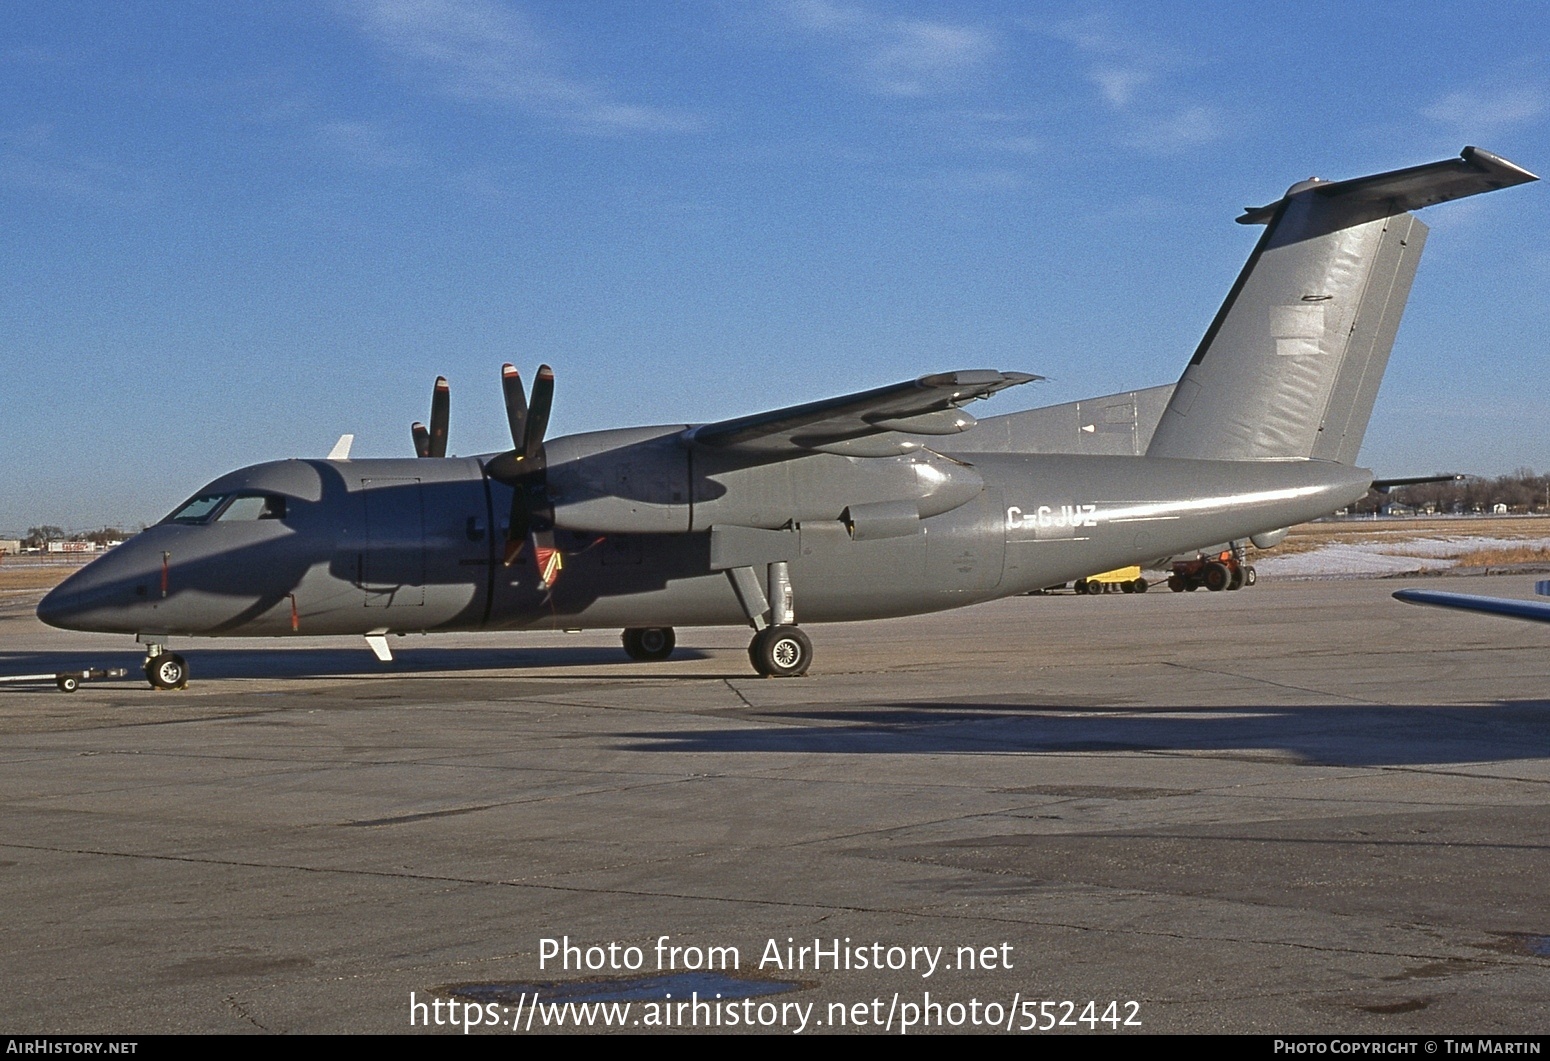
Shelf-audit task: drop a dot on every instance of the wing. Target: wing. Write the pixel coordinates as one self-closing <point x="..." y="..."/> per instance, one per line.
<point x="881" y="422"/>
<point x="1534" y="611"/>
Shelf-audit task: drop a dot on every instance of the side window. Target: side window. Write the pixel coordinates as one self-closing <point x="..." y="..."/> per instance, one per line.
<point x="253" y="507"/>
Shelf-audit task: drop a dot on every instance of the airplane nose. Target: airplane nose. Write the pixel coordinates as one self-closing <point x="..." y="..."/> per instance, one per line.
<point x="105" y="596"/>
<point x="62" y="607"/>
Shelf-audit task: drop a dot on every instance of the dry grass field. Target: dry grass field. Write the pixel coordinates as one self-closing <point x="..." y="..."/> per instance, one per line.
<point x="14" y="577"/>
<point x="1311" y="536"/>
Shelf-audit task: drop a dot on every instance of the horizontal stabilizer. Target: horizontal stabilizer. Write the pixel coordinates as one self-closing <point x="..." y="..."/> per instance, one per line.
<point x="1402" y="190"/>
<point x="1534" y="611"/>
<point x="925" y="406"/>
<point x="1383" y="486"/>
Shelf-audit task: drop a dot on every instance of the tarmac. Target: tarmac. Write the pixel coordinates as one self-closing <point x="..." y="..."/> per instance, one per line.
<point x="1299" y="808"/>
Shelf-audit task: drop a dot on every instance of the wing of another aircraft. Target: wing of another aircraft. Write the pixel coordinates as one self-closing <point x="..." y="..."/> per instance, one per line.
<point x="1534" y="611"/>
<point x="872" y="423"/>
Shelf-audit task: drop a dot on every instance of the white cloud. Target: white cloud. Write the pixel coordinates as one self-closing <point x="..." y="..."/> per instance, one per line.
<point x="1130" y="74"/>
<point x="480" y="50"/>
<point x="1118" y="86"/>
<point x="33" y="158"/>
<point x="895" y="56"/>
<point x="366" y="144"/>
<point x="1488" y="110"/>
<point x="1180" y="128"/>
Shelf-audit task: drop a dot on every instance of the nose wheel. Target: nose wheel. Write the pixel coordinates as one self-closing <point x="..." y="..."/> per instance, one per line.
<point x="166" y="670"/>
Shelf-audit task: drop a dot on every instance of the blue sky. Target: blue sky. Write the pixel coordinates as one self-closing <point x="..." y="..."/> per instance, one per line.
<point x="233" y="232"/>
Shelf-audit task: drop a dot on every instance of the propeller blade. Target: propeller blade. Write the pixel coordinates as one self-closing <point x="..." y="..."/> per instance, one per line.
<point x="422" y="439"/>
<point x="516" y="404"/>
<point x="441" y="409"/>
<point x="538" y="413"/>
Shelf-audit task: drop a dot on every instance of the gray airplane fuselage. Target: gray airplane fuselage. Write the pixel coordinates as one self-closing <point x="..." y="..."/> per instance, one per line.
<point x="400" y="546"/>
<point x="890" y="501"/>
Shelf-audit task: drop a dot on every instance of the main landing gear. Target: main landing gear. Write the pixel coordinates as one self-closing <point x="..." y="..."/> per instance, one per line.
<point x="778" y="649"/>
<point x="648" y="644"/>
<point x="780" y="652"/>
<point x="163" y="669"/>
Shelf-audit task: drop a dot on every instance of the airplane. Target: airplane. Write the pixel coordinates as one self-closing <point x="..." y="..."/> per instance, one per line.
<point x="889" y="502"/>
<point x="1533" y="611"/>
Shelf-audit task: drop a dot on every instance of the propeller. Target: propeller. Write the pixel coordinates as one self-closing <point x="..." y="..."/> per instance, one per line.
<point x="523" y="469"/>
<point x="432" y="442"/>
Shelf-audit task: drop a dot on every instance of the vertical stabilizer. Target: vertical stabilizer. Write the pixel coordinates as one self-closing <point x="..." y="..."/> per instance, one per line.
<point x="1290" y="367"/>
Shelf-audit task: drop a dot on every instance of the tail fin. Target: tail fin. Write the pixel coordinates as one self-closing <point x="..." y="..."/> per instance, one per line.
<point x="1290" y="367"/>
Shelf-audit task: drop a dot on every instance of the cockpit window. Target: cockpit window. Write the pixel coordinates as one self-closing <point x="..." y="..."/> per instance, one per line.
<point x="199" y="509"/>
<point x="251" y="507"/>
<point x="230" y="508"/>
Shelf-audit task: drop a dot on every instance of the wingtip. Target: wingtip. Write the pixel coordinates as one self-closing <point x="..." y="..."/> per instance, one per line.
<point x="1479" y="156"/>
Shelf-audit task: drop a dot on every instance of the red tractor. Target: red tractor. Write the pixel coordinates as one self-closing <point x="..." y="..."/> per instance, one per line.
<point x="1225" y="570"/>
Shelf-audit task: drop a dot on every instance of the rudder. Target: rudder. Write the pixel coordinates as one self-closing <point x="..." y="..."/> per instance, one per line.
<point x="1289" y="368"/>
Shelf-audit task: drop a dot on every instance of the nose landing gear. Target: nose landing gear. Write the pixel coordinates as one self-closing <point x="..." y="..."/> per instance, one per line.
<point x="163" y="669"/>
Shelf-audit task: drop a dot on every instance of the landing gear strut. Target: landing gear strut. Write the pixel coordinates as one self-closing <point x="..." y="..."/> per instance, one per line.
<point x="649" y="643"/>
<point x="778" y="649"/>
<point x="163" y="669"/>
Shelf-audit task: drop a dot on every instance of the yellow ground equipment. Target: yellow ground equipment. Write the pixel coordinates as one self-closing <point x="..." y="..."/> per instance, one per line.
<point x="1123" y="579"/>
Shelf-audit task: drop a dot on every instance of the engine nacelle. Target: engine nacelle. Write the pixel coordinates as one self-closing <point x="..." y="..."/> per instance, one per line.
<point x="646" y="481"/>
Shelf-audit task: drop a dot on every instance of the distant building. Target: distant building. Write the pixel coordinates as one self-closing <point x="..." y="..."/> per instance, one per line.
<point x="72" y="547"/>
<point x="10" y="547"/>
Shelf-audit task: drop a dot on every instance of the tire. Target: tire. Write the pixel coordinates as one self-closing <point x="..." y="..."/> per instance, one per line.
<point x="1140" y="585"/>
<point x="1127" y="587"/>
<point x="1080" y="586"/>
<point x="167" y="671"/>
<point x="1095" y="588"/>
<point x="1250" y="576"/>
<point x="68" y="683"/>
<point x="1236" y="581"/>
<point x="649" y="644"/>
<point x="781" y="652"/>
<point x="1217" y="577"/>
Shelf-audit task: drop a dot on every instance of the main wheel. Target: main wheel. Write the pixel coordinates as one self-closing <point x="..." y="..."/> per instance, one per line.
<point x="1249" y="576"/>
<point x="780" y="652"/>
<point x="1236" y="581"/>
<point x="1217" y="577"/>
<point x="167" y="671"/>
<point x="649" y="643"/>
